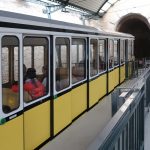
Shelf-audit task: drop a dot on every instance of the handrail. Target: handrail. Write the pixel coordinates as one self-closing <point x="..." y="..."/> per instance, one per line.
<point x="108" y="137"/>
<point x="113" y="128"/>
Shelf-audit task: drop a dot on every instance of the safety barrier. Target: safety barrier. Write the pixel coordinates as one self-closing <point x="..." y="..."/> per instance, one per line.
<point x="125" y="131"/>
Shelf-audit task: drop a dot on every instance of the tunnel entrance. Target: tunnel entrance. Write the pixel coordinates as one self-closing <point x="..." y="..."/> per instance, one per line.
<point x="138" y="26"/>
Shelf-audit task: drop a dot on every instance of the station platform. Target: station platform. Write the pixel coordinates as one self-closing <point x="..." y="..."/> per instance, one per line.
<point x="83" y="131"/>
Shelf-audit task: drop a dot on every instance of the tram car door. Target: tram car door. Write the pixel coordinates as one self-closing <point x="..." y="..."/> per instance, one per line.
<point x="11" y="116"/>
<point x="36" y="90"/>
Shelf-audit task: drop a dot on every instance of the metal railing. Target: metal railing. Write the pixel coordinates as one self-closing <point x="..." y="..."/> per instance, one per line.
<point x="136" y="67"/>
<point x="125" y="131"/>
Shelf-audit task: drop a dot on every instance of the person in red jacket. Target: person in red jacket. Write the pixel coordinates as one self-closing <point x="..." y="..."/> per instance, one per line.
<point x="32" y="85"/>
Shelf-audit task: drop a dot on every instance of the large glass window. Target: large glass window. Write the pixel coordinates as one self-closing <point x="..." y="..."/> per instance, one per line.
<point x="93" y="57"/>
<point x="10" y="75"/>
<point x="28" y="56"/>
<point x="102" y="56"/>
<point x="132" y="49"/>
<point x="62" y="63"/>
<point x="5" y="65"/>
<point x="116" y="53"/>
<point x="38" y="58"/>
<point x="78" y="54"/>
<point x="129" y="50"/>
<point x="16" y="63"/>
<point x="111" y="54"/>
<point x="122" y="51"/>
<point x="35" y="68"/>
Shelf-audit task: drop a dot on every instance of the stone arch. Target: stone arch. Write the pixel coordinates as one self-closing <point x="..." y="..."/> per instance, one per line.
<point x="137" y="25"/>
<point x="132" y="16"/>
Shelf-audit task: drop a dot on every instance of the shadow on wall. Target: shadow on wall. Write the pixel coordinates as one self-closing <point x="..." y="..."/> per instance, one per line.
<point x="138" y="26"/>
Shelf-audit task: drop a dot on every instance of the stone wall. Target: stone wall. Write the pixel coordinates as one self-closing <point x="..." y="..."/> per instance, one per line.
<point x="121" y="8"/>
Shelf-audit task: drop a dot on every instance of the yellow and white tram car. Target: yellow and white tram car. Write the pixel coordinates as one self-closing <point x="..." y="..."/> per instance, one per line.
<point x="82" y="65"/>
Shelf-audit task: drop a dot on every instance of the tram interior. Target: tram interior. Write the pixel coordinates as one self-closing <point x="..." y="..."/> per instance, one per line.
<point x="35" y="55"/>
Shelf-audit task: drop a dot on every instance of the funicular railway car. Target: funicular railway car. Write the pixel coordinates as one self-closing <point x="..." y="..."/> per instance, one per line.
<point x="51" y="72"/>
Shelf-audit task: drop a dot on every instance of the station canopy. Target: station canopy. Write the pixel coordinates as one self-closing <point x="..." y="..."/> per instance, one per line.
<point x="92" y="7"/>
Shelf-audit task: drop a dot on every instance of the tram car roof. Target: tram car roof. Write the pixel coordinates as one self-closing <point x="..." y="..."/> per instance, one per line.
<point x="16" y="20"/>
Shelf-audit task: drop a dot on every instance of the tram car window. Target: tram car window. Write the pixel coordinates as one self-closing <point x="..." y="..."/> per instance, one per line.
<point x="132" y="49"/>
<point x="93" y="57"/>
<point x="10" y="69"/>
<point x="111" y="54"/>
<point x="62" y="63"/>
<point x="78" y="53"/>
<point x="102" y="56"/>
<point x="122" y="51"/>
<point x="116" y="53"/>
<point x="27" y="56"/>
<point x="129" y="50"/>
<point x="35" y="68"/>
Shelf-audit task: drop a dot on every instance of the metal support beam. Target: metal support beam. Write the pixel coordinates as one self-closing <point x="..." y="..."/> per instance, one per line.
<point x="49" y="7"/>
<point x="101" y="6"/>
<point x="61" y="5"/>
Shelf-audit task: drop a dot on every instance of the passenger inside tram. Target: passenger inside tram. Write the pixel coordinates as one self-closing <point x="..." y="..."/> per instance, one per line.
<point x="24" y="72"/>
<point x="35" y="55"/>
<point x="101" y="63"/>
<point x="33" y="86"/>
<point x="44" y="78"/>
<point x="36" y="59"/>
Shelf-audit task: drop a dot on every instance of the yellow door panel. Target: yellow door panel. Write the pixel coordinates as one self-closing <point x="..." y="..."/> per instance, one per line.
<point x="129" y="69"/>
<point x="11" y="134"/>
<point x="37" y="125"/>
<point x="62" y="112"/>
<point x="116" y="77"/>
<point x="111" y="80"/>
<point x="97" y="89"/>
<point x="122" y="73"/>
<point x="103" y="86"/>
<point x="78" y="100"/>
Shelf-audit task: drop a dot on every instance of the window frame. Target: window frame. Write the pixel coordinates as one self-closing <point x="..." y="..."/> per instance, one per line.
<point x="108" y="54"/>
<point x="132" y="49"/>
<point x="118" y="52"/>
<point x="8" y="65"/>
<point x="128" y="57"/>
<point x="13" y="113"/>
<point x="105" y="52"/>
<point x="93" y="38"/>
<point x="124" y="47"/>
<point x="85" y="39"/>
<point x="54" y="63"/>
<point x="49" y="65"/>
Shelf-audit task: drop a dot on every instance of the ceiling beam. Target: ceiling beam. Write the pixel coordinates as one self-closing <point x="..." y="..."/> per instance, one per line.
<point x="101" y="6"/>
<point x="75" y="6"/>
